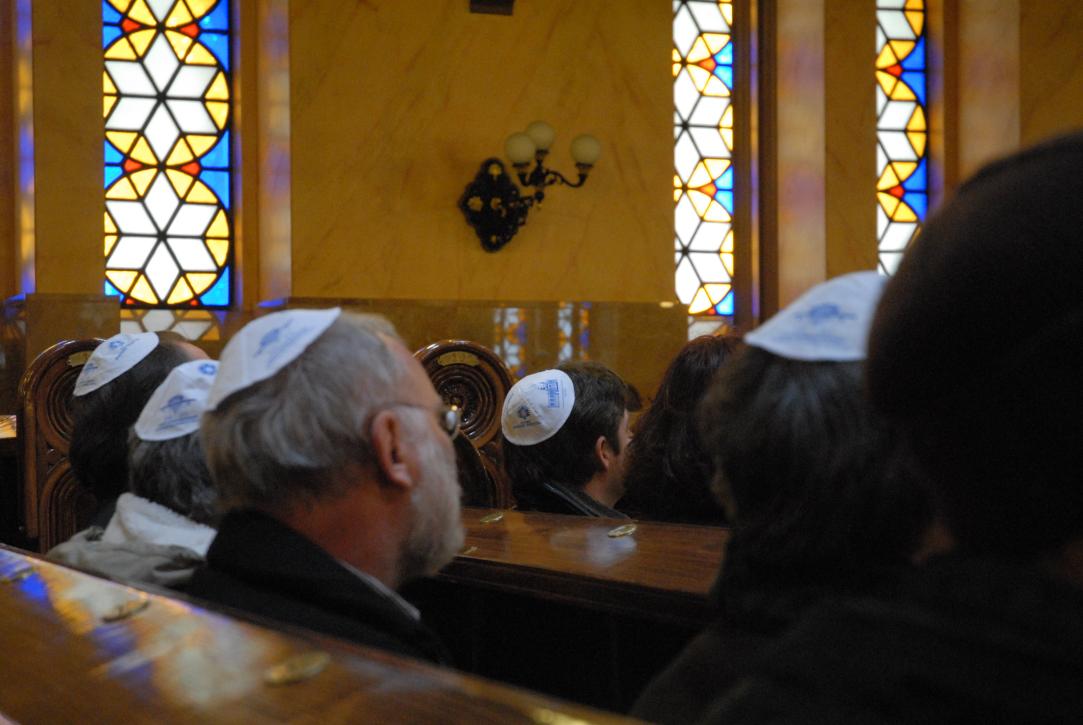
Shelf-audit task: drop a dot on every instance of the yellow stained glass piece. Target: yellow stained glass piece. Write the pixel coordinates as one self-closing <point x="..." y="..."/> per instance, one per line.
<point x="727" y="118"/>
<point x="716" y="41"/>
<point x="727" y="12"/>
<point x="181" y="293"/>
<point x="141" y="40"/>
<point x="676" y="69"/>
<point x="902" y="92"/>
<point x="717" y="292"/>
<point x="700" y="201"/>
<point x="727" y="243"/>
<point x="179" y="16"/>
<point x="700" y="303"/>
<point x="200" y="56"/>
<point x="180" y="42"/>
<point x="716" y="167"/>
<point x="121" y="139"/>
<point x="142" y="153"/>
<point x="676" y="195"/>
<point x="110" y="226"/>
<point x="141" y="180"/>
<point x="200" y="194"/>
<point x="888" y="202"/>
<point x="200" y="7"/>
<point x="181" y="154"/>
<point x="110" y="240"/>
<point x="698" y="51"/>
<point x="917" y="140"/>
<point x="219" y="88"/>
<point x="219" y="250"/>
<point x="141" y="13"/>
<point x="219" y="112"/>
<point x="904" y="213"/>
<point x="120" y="5"/>
<point x="917" y="20"/>
<point x="886" y="57"/>
<point x="201" y="281"/>
<point x="887" y="179"/>
<point x="727" y="262"/>
<point x="211" y="334"/>
<point x="107" y="84"/>
<point x="727" y="138"/>
<point x="717" y="213"/>
<point x="715" y="87"/>
<point x="887" y="81"/>
<point x="220" y="226"/>
<point x="180" y="180"/>
<point x="122" y="280"/>
<point x="107" y="105"/>
<point x="201" y="144"/>
<point x="143" y="292"/>
<point x="917" y="121"/>
<point x="902" y="47"/>
<point x="120" y="50"/>
<point x="122" y="189"/>
<point x="676" y="56"/>
<point x="903" y="169"/>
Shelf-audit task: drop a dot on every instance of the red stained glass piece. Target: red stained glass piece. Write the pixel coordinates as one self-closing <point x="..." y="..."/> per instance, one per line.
<point x="128" y="25"/>
<point x="191" y="168"/>
<point x="896" y="191"/>
<point x="129" y="301"/>
<point x="895" y="70"/>
<point x="130" y="165"/>
<point x="709" y="190"/>
<point x="708" y="64"/>
<point x="191" y="30"/>
<point x="193" y="302"/>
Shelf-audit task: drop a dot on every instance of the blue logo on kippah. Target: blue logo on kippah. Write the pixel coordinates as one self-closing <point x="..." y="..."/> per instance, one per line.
<point x="552" y="389"/>
<point x="271" y="337"/>
<point x="523" y="412"/>
<point x="827" y="311"/>
<point x="208" y="368"/>
<point x="115" y="344"/>
<point x="177" y="412"/>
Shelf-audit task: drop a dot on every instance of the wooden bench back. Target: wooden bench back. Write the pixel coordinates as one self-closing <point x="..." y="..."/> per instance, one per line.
<point x="55" y="505"/>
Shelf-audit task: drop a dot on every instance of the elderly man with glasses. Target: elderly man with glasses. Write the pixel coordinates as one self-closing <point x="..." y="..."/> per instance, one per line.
<point x="332" y="453"/>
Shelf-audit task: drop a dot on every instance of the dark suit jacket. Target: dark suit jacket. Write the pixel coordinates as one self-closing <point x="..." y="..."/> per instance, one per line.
<point x="260" y="565"/>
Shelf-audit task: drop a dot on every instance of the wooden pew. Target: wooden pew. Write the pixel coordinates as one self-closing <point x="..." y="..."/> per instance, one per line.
<point x="559" y="604"/>
<point x="79" y="648"/>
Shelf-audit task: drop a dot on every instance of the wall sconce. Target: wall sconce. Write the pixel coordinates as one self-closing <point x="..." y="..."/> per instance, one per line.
<point x="493" y="204"/>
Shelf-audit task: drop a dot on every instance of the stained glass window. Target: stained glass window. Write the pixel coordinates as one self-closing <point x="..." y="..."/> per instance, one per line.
<point x="902" y="134"/>
<point x="509" y="335"/>
<point x="199" y="325"/>
<point x="168" y="161"/>
<point x="703" y="153"/>
<point x="573" y="331"/>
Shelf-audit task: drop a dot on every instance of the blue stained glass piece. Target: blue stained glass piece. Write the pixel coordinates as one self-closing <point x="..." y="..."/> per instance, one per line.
<point x="217" y="19"/>
<point x="916" y="59"/>
<point x="109" y="34"/>
<point x="34" y="587"/>
<point x="725" y="72"/>
<point x="217" y="43"/>
<point x="111" y="290"/>
<point x="916" y="81"/>
<point x="109" y="13"/>
<point x="725" y="181"/>
<point x="219" y="183"/>
<point x="919" y="180"/>
<point x="919" y="202"/>
<point x="725" y="56"/>
<point x="218" y="295"/>
<point x="725" y="198"/>
<point x="218" y="157"/>
<point x="112" y="173"/>
<point x="112" y="155"/>
<point x="725" y="307"/>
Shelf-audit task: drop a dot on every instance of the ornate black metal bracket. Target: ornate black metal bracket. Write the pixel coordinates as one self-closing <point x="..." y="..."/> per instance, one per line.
<point x="493" y="205"/>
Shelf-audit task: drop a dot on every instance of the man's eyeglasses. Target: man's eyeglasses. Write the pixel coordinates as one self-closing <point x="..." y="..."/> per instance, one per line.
<point x="448" y="417"/>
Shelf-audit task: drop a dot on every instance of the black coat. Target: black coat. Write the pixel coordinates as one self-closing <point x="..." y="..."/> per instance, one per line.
<point x="556" y="498"/>
<point x="262" y="566"/>
<point x="964" y="640"/>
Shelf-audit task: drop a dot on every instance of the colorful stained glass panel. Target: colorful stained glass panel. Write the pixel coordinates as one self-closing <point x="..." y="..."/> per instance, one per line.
<point x="168" y="170"/>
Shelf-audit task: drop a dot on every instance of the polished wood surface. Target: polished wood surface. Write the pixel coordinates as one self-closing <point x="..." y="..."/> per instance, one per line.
<point x="660" y="571"/>
<point x="171" y="660"/>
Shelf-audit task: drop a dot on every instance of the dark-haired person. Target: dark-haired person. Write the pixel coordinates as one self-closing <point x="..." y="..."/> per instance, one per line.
<point x="668" y="470"/>
<point x="163" y="525"/>
<point x="807" y="474"/>
<point x="565" y="438"/>
<point x="109" y="395"/>
<point x="993" y="631"/>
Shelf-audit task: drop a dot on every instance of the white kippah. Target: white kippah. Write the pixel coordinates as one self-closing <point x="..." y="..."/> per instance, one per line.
<point x="176" y="405"/>
<point x="114" y="357"/>
<point x="828" y="323"/>
<point x="266" y="345"/>
<point x="537" y="406"/>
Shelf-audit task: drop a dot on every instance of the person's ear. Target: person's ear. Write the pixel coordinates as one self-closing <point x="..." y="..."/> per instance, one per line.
<point x="604" y="452"/>
<point x="388" y="438"/>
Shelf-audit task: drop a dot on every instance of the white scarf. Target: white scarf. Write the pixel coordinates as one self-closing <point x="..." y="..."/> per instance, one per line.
<point x="137" y="519"/>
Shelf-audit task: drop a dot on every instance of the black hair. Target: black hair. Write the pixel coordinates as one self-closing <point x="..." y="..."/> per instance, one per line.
<point x="817" y="492"/>
<point x="601" y="401"/>
<point x="173" y="473"/>
<point x="669" y="471"/>
<point x="99" y="439"/>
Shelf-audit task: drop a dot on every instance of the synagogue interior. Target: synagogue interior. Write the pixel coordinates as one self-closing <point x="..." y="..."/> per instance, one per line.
<point x="547" y="181"/>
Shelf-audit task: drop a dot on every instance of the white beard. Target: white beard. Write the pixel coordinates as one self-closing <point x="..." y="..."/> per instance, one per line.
<point x="437" y="533"/>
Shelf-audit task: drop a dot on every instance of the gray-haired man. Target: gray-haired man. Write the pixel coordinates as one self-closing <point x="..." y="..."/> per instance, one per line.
<point x="332" y="453"/>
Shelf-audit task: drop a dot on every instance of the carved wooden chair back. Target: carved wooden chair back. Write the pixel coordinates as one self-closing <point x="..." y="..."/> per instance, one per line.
<point x="54" y="504"/>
